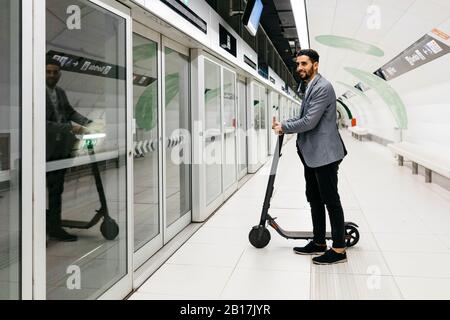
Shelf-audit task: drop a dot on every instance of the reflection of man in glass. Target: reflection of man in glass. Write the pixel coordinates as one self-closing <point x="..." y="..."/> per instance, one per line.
<point x="60" y="142"/>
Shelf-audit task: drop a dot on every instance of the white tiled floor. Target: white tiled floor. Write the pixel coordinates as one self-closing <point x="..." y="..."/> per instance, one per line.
<point x="192" y="281"/>
<point x="256" y="284"/>
<point x="404" y="251"/>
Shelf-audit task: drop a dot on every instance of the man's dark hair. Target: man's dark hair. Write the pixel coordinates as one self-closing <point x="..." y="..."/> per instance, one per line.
<point x="53" y="62"/>
<point x="312" y="54"/>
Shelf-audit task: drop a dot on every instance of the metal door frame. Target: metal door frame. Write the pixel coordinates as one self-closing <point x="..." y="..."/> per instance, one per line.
<point x="26" y="211"/>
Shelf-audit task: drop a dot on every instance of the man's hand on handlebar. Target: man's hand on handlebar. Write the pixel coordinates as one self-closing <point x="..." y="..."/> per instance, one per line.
<point x="78" y="130"/>
<point x="277" y="128"/>
<point x="97" y="126"/>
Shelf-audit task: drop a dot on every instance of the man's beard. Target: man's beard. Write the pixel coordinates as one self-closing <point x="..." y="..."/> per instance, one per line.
<point x="51" y="83"/>
<point x="307" y="76"/>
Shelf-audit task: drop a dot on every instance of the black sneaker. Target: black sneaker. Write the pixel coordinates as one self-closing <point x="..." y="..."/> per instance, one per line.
<point x="330" y="257"/>
<point x="310" y="248"/>
<point x="61" y="235"/>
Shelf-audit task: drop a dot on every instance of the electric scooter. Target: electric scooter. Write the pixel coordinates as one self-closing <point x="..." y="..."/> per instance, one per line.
<point x="260" y="236"/>
<point x="109" y="227"/>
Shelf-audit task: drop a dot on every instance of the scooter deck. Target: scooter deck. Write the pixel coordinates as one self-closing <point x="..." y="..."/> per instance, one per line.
<point x="301" y="235"/>
<point x="75" y="224"/>
<point x="297" y="235"/>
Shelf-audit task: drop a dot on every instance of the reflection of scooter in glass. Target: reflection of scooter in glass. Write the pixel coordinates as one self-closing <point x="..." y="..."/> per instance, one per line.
<point x="109" y="228"/>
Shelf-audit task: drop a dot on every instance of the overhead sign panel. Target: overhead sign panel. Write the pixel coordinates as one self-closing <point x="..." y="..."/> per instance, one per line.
<point x="227" y="41"/>
<point x="430" y="47"/>
<point x="79" y="64"/>
<point x="183" y="10"/>
<point x="250" y="62"/>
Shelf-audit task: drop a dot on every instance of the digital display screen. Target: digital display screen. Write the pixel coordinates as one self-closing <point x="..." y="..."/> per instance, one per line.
<point x="252" y="15"/>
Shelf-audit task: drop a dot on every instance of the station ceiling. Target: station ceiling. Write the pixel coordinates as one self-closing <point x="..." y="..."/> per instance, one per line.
<point x="279" y="24"/>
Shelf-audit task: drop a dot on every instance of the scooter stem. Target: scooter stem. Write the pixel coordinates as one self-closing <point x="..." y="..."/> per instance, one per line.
<point x="270" y="184"/>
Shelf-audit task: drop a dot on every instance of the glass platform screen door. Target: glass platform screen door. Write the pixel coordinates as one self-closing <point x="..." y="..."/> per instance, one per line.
<point x="220" y="147"/>
<point x="86" y="92"/>
<point x="242" y="127"/>
<point x="148" y="235"/>
<point x="13" y="209"/>
<point x="177" y="141"/>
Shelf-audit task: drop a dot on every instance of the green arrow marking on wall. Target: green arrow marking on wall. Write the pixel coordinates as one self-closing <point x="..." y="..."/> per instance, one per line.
<point x="211" y="94"/>
<point x="355" y="91"/>
<point x="349" y="113"/>
<point x="386" y="92"/>
<point x="351" y="44"/>
<point x="144" y="51"/>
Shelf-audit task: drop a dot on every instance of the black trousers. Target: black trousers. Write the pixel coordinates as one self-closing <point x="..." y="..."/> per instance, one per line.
<point x="57" y="150"/>
<point x="321" y="191"/>
<point x="55" y="186"/>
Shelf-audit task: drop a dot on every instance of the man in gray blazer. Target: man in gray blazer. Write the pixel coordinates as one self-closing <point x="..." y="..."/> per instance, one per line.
<point x="321" y="150"/>
<point x="60" y="141"/>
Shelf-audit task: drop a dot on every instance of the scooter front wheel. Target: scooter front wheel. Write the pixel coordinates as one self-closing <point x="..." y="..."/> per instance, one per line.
<point x="259" y="237"/>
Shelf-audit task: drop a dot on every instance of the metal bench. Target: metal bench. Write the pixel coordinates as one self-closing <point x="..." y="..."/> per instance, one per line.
<point x="358" y="132"/>
<point x="432" y="159"/>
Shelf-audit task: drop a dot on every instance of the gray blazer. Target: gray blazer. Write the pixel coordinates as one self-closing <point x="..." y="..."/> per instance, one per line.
<point x="318" y="137"/>
<point x="60" y="139"/>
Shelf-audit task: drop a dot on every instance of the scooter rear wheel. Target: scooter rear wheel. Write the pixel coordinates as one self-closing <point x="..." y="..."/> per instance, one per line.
<point x="109" y="228"/>
<point x="351" y="235"/>
<point x="259" y="237"/>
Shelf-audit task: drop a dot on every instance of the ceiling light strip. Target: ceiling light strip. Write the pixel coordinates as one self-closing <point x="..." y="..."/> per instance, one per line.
<point x="301" y="20"/>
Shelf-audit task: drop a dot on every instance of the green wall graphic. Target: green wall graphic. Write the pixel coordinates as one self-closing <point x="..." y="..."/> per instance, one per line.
<point x="351" y="44"/>
<point x="146" y="108"/>
<point x="144" y="51"/>
<point x="172" y="87"/>
<point x="386" y="92"/>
